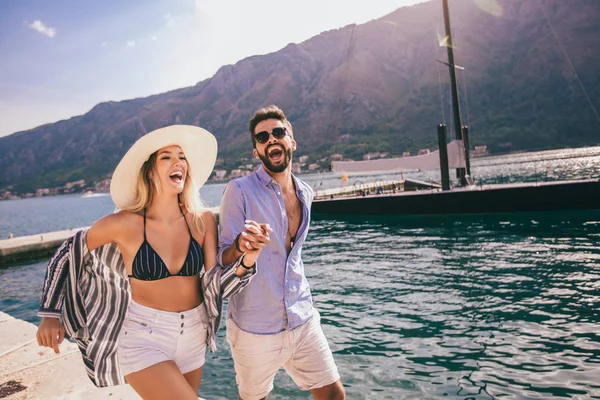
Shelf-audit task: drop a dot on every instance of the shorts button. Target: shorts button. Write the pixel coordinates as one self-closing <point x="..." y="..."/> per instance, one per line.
<point x="182" y="317"/>
<point x="182" y="332"/>
<point x="182" y="324"/>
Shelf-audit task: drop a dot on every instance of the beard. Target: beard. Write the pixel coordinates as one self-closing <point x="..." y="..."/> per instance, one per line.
<point x="287" y="159"/>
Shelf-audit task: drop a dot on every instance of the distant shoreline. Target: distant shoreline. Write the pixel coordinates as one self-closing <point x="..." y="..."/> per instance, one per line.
<point x="47" y="192"/>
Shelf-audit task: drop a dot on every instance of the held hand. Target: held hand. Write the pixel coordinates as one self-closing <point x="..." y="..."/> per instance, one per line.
<point x="255" y="236"/>
<point x="253" y="239"/>
<point x="51" y="333"/>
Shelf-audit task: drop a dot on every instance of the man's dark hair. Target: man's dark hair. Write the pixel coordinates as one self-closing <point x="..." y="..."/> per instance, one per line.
<point x="269" y="112"/>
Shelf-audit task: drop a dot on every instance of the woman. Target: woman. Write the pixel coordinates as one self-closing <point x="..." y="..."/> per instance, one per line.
<point x="134" y="298"/>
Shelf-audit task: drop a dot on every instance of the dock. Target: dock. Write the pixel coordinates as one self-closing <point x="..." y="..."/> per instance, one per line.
<point x="28" y="371"/>
<point x="359" y="189"/>
<point x="573" y="195"/>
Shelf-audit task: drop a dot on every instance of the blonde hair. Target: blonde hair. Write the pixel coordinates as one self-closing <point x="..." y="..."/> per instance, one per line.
<point x="148" y="185"/>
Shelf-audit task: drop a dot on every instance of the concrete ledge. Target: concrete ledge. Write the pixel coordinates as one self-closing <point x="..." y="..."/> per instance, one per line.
<point x="42" y="245"/>
<point x="46" y="375"/>
<point x="32" y="247"/>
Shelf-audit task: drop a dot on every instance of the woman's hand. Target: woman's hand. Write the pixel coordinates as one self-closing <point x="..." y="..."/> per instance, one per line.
<point x="51" y="333"/>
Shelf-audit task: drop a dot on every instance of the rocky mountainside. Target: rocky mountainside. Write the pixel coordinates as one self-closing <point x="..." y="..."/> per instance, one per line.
<point x="370" y="87"/>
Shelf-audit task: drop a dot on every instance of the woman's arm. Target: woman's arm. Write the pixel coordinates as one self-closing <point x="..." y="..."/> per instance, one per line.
<point x="106" y="230"/>
<point x="209" y="246"/>
<point x="51" y="332"/>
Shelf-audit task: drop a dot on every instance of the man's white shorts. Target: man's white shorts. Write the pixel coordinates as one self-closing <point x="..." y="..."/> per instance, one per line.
<point x="302" y="352"/>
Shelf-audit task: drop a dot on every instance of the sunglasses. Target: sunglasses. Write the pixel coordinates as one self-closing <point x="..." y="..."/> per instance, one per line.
<point x="278" y="133"/>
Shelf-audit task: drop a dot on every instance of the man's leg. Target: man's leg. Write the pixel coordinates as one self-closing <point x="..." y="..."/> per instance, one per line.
<point x="257" y="358"/>
<point x="312" y="366"/>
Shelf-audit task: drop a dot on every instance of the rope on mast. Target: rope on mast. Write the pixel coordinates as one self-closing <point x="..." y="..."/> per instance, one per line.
<point x="338" y="117"/>
<point x="568" y="59"/>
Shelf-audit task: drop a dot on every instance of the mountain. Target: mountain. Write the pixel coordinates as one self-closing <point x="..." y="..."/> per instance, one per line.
<point x="370" y="87"/>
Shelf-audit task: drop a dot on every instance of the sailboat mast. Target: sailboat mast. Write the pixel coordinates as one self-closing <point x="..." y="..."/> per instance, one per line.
<point x="460" y="172"/>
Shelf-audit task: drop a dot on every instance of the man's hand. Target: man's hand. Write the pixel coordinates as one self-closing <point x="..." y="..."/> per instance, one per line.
<point x="51" y="333"/>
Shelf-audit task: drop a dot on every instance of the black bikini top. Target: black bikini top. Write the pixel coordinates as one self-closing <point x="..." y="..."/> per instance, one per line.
<point x="148" y="266"/>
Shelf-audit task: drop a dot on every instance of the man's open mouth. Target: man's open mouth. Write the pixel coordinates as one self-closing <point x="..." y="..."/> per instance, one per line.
<point x="275" y="153"/>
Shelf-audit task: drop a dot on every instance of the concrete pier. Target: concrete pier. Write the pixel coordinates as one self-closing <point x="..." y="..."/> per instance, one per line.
<point x="42" y="245"/>
<point x="32" y="247"/>
<point x="28" y="371"/>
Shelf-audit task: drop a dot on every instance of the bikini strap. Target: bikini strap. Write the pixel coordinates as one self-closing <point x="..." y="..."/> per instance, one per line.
<point x="144" y="224"/>
<point x="185" y="219"/>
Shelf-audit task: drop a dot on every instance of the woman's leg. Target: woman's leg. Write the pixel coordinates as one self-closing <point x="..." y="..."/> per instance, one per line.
<point x="193" y="378"/>
<point x="164" y="381"/>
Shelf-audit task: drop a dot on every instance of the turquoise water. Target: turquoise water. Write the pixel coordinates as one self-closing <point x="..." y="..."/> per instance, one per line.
<point x="447" y="307"/>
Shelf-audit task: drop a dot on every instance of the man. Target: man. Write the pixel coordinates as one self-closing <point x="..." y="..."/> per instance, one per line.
<point x="272" y="323"/>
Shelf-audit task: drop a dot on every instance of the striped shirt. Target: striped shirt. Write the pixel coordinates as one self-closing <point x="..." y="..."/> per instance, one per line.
<point x="91" y="292"/>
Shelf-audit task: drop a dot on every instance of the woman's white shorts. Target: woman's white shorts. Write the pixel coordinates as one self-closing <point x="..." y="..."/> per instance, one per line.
<point x="151" y="336"/>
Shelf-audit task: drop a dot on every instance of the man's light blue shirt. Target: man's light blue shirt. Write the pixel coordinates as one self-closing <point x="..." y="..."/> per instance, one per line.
<point x="278" y="297"/>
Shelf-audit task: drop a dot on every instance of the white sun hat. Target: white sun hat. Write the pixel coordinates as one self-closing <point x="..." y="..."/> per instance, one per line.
<point x="198" y="145"/>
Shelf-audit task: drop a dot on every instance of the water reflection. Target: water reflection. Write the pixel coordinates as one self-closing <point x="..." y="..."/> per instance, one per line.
<point x="461" y="307"/>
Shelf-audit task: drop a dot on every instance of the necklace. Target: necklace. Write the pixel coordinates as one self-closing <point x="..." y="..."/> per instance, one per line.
<point x="292" y="237"/>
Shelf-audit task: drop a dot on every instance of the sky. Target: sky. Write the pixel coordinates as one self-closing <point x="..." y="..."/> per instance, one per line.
<point x="62" y="57"/>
